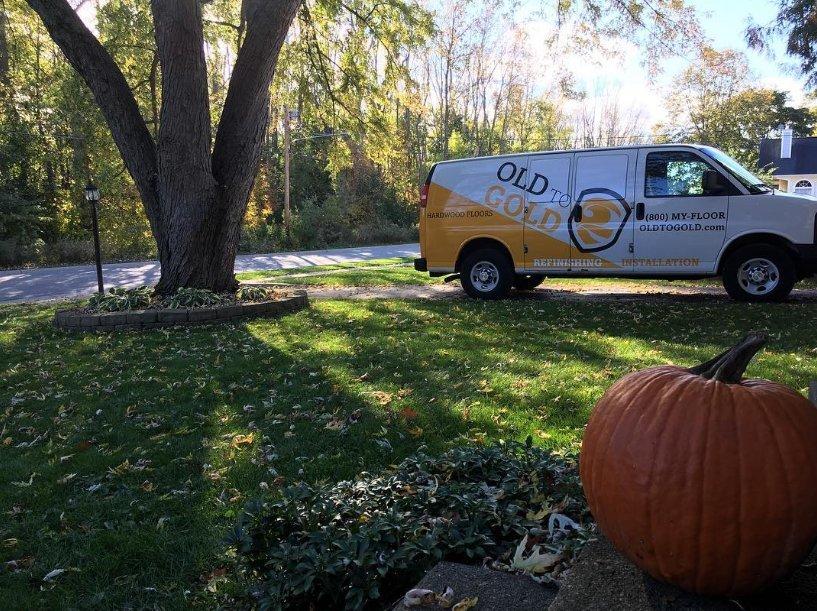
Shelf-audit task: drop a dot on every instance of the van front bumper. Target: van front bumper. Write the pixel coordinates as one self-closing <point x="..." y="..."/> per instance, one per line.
<point x="421" y="265"/>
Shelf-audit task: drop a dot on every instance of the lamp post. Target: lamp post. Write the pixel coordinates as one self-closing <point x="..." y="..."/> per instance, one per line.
<point x="92" y="195"/>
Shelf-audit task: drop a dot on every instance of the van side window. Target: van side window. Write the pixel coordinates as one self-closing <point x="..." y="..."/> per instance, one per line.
<point x="682" y="174"/>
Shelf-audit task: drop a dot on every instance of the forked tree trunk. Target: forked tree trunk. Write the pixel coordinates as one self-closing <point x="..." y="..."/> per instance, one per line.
<point x="195" y="198"/>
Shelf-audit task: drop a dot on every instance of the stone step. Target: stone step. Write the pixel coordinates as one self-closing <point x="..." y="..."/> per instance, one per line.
<point x="602" y="578"/>
<point x="495" y="590"/>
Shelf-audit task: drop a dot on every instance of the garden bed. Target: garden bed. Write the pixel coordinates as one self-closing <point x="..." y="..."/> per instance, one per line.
<point x="153" y="318"/>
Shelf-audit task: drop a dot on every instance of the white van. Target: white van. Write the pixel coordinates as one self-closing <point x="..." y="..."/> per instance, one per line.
<point x="670" y="211"/>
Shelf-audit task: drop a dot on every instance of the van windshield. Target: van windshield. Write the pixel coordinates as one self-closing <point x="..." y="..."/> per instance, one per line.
<point x="741" y="174"/>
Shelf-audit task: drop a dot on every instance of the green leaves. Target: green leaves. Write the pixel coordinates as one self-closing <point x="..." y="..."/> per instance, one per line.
<point x="196" y="298"/>
<point x="119" y="300"/>
<point x="358" y="542"/>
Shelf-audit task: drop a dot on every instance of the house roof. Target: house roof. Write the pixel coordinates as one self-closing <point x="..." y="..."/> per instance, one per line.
<point x="803" y="158"/>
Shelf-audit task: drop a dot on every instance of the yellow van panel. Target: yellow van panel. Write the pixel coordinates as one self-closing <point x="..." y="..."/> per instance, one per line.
<point x="451" y="220"/>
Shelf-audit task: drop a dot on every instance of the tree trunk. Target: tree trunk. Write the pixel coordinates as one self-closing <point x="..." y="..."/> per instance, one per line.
<point x="195" y="197"/>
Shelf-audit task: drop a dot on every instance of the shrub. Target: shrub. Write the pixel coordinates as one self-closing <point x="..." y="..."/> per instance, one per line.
<point x="196" y="298"/>
<point x="252" y="292"/>
<point x="119" y="300"/>
<point x="362" y="543"/>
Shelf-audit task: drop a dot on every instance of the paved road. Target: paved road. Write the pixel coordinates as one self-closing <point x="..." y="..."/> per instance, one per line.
<point x="40" y="284"/>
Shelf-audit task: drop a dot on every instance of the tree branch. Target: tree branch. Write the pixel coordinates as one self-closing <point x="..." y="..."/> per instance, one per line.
<point x="111" y="92"/>
<point x="245" y="117"/>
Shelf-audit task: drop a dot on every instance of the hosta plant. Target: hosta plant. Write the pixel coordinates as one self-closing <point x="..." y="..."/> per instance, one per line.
<point x="196" y="298"/>
<point x="255" y="293"/>
<point x="120" y="300"/>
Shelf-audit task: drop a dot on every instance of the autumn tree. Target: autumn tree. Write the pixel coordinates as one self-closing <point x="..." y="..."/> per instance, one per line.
<point x="194" y="189"/>
<point x="715" y="102"/>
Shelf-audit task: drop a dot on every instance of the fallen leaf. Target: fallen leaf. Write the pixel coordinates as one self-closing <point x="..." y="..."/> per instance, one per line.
<point x="465" y="604"/>
<point x="25" y="484"/>
<point x="242" y="440"/>
<point x="536" y="562"/>
<point x="408" y="413"/>
<point x="66" y="479"/>
<point x="419" y="598"/>
<point x="53" y="574"/>
<point x="335" y="424"/>
<point x="415" y="432"/>
<point x="383" y="398"/>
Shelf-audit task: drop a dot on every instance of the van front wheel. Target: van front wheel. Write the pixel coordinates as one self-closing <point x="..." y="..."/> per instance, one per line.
<point x="527" y="282"/>
<point x="760" y="272"/>
<point x="487" y="274"/>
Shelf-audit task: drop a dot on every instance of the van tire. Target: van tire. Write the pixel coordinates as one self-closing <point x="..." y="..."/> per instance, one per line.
<point x="750" y="271"/>
<point x="497" y="269"/>
<point x="527" y="282"/>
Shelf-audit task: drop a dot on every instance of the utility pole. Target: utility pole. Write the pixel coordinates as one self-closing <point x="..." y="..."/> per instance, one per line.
<point x="287" y="156"/>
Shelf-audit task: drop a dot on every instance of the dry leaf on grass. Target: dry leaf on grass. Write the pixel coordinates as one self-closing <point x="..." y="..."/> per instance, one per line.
<point x="242" y="440"/>
<point x="408" y="414"/>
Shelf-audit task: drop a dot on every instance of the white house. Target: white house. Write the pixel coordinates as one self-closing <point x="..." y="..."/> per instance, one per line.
<point x="794" y="161"/>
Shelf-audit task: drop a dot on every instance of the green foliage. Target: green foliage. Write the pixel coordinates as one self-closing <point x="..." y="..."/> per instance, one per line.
<point x="358" y="543"/>
<point x="120" y="300"/>
<point x="797" y="21"/>
<point x="715" y="103"/>
<point x="196" y="298"/>
<point x="250" y="292"/>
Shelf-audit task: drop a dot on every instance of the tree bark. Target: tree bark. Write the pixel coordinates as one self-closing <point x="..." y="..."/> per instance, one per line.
<point x="195" y="198"/>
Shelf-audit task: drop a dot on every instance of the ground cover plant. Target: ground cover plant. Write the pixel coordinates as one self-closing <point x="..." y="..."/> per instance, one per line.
<point x="362" y="543"/>
<point x="125" y="459"/>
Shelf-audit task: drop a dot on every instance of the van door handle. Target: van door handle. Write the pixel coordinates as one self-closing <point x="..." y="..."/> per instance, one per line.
<point x="639" y="211"/>
<point x="577" y="213"/>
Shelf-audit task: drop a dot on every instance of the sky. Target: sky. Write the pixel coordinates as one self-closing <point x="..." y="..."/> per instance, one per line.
<point x="722" y="21"/>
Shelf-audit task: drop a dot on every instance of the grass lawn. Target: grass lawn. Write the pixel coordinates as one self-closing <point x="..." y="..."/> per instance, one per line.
<point x="379" y="272"/>
<point x="124" y="458"/>
<point x="400" y="272"/>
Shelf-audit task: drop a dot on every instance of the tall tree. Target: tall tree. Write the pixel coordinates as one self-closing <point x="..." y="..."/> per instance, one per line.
<point x="194" y="190"/>
<point x="797" y="21"/>
<point x="714" y="103"/>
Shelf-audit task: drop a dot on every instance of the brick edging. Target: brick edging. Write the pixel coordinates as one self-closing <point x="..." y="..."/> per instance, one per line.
<point x="72" y="320"/>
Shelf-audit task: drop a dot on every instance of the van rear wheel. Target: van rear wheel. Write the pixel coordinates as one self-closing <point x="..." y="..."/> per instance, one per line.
<point x="487" y="274"/>
<point x="527" y="282"/>
<point x="759" y="273"/>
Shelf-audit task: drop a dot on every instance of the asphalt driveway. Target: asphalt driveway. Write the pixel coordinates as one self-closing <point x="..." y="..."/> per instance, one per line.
<point x="45" y="283"/>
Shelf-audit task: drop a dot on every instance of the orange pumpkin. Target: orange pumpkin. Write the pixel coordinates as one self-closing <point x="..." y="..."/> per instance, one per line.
<point x="704" y="479"/>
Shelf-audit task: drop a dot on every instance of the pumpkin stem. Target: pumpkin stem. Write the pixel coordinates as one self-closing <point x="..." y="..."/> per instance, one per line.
<point x="729" y="366"/>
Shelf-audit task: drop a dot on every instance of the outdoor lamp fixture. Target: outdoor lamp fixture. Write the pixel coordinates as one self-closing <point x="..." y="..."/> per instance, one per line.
<point x="92" y="195"/>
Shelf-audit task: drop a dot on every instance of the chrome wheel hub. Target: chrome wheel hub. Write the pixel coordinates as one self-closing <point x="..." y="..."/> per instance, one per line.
<point x="758" y="276"/>
<point x="485" y="276"/>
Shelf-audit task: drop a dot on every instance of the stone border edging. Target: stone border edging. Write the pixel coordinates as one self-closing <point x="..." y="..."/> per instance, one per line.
<point x="72" y="320"/>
